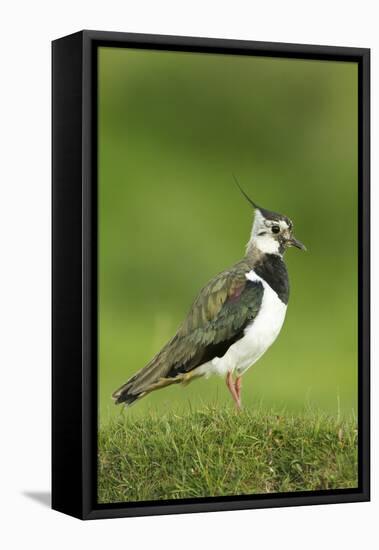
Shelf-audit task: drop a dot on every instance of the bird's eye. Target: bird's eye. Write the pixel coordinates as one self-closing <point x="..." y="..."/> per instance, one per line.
<point x="275" y="228"/>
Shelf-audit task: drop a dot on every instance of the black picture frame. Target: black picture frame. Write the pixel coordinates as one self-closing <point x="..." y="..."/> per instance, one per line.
<point x="74" y="273"/>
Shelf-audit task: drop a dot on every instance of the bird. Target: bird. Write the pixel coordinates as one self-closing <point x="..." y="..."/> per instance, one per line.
<point x="234" y="319"/>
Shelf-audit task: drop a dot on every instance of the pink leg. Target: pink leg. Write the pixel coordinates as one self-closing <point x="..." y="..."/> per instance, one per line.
<point x="232" y="388"/>
<point x="238" y="386"/>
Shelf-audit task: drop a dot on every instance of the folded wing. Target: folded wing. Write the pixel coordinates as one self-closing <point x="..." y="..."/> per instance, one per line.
<point x="217" y="319"/>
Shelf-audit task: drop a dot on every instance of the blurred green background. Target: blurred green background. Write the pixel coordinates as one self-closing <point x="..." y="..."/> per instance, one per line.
<point x="173" y="127"/>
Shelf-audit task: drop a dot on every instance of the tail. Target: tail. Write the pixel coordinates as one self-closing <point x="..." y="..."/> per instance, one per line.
<point x="141" y="384"/>
<point x="124" y="395"/>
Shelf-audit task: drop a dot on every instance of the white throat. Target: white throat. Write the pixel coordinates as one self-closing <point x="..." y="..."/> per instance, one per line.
<point x="265" y="244"/>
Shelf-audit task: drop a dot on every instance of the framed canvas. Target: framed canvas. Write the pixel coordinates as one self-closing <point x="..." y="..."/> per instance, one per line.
<point x="193" y="372"/>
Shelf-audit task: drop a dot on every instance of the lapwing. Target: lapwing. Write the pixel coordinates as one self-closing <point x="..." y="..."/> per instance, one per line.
<point x="235" y="318"/>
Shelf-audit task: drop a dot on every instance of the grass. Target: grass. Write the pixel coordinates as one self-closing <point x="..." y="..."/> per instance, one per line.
<point x="215" y="452"/>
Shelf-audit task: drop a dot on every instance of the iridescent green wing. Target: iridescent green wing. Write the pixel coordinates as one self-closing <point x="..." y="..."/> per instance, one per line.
<point x="216" y="320"/>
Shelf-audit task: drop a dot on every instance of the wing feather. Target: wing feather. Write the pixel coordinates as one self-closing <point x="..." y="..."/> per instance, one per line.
<point x="216" y="319"/>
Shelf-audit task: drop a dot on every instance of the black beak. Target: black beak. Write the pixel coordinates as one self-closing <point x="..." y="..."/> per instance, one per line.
<point x="294" y="242"/>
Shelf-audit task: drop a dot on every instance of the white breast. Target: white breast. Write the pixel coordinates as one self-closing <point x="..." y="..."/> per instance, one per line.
<point x="258" y="336"/>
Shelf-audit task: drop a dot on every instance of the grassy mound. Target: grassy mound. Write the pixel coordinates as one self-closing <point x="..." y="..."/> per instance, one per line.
<point x="216" y="452"/>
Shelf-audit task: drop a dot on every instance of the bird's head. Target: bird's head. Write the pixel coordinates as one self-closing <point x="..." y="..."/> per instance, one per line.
<point x="272" y="233"/>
